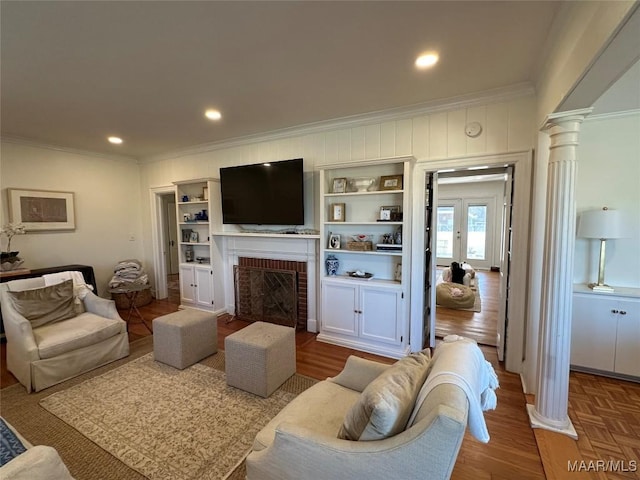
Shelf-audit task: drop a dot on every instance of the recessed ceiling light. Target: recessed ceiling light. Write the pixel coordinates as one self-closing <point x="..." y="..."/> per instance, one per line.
<point x="213" y="114"/>
<point x="266" y="164"/>
<point x="115" y="140"/>
<point x="427" y="60"/>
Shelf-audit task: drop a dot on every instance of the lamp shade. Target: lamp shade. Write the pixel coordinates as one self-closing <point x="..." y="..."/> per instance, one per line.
<point x="603" y="224"/>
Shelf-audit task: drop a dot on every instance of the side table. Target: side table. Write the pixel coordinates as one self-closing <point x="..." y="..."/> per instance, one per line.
<point x="131" y="293"/>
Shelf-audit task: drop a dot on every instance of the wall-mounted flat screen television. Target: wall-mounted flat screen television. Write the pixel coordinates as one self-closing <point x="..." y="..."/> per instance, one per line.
<point x="269" y="193"/>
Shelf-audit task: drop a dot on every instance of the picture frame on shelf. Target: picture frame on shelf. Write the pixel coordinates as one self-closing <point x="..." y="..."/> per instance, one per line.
<point x="334" y="241"/>
<point x="186" y="234"/>
<point x="339" y="185"/>
<point x="391" y="182"/>
<point x="390" y="213"/>
<point x="397" y="275"/>
<point x="337" y="212"/>
<point x="194" y="237"/>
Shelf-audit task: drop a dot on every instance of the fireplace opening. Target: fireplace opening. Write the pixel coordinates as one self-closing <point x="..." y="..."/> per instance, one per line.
<point x="270" y="291"/>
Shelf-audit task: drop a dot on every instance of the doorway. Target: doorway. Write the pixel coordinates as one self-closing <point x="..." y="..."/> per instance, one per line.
<point x="467" y="222"/>
<point x="511" y="335"/>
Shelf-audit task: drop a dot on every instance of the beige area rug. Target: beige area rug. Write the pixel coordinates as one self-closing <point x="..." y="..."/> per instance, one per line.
<point x="167" y="423"/>
<point x="85" y="459"/>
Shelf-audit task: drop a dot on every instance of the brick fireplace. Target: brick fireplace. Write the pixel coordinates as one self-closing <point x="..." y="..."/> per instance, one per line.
<point x="272" y="291"/>
<point x="289" y="253"/>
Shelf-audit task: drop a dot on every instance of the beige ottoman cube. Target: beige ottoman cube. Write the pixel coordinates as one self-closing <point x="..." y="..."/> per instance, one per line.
<point x="183" y="338"/>
<point x="260" y="357"/>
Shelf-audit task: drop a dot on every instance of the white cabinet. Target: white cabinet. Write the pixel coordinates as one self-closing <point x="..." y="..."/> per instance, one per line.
<point x="363" y="316"/>
<point x="196" y="286"/>
<point x="605" y="331"/>
<point x="193" y="204"/>
<point x="370" y="201"/>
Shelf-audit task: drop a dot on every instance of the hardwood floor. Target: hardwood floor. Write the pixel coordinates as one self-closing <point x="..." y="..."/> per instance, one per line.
<point x="481" y="326"/>
<point x="605" y="412"/>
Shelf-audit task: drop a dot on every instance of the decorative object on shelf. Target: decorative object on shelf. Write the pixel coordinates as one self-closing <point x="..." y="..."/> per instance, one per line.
<point x="332" y="264"/>
<point x="362" y="184"/>
<point x="391" y="182"/>
<point x="201" y="216"/>
<point x="360" y="243"/>
<point x="361" y="237"/>
<point x="360" y="274"/>
<point x="40" y="210"/>
<point x="397" y="236"/>
<point x="334" y="241"/>
<point x="10" y="260"/>
<point x="339" y="185"/>
<point x="390" y="213"/>
<point x="187" y="217"/>
<point x="186" y="234"/>
<point x="604" y="225"/>
<point x="388" y="238"/>
<point x="194" y="237"/>
<point x="337" y="212"/>
<point x="397" y="275"/>
<point x="188" y="253"/>
<point x="185" y="198"/>
<point x="203" y="259"/>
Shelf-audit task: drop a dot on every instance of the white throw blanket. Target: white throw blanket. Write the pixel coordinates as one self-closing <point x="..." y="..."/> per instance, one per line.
<point x="80" y="288"/>
<point x="460" y="361"/>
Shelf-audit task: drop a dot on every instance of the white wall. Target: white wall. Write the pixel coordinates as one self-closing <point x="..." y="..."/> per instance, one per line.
<point x="609" y="175"/>
<point x="107" y="206"/>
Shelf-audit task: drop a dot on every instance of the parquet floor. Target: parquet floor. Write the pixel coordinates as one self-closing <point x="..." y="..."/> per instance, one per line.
<point x="605" y="412"/>
<point x="481" y="326"/>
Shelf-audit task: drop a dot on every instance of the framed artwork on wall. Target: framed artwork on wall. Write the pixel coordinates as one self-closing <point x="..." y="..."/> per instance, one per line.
<point x="41" y="210"/>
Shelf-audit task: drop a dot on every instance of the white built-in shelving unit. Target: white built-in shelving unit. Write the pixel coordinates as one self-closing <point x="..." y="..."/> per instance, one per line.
<point x="369" y="314"/>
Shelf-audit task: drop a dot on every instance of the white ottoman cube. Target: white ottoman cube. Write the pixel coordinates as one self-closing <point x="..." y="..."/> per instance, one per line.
<point x="183" y="338"/>
<point x="260" y="357"/>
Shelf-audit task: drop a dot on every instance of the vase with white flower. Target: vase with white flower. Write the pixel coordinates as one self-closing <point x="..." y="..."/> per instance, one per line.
<point x="10" y="260"/>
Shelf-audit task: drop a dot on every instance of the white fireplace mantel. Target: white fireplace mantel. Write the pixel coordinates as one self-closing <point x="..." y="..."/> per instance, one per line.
<point x="299" y="248"/>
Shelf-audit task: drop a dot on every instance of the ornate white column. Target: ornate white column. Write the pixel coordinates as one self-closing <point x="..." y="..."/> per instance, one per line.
<point x="552" y="397"/>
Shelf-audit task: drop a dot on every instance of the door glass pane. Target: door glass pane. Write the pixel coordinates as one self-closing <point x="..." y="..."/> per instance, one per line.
<point x="444" y="247"/>
<point x="476" y="231"/>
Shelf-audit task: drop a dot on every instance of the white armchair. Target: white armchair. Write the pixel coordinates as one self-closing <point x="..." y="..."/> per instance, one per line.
<point x="43" y="354"/>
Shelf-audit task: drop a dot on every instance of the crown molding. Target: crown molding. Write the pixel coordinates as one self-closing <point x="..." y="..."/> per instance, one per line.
<point x="610" y="115"/>
<point x="59" y="148"/>
<point x="399" y="113"/>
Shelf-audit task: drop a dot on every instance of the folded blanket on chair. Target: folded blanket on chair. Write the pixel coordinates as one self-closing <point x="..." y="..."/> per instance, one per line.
<point x="460" y="361"/>
<point x="80" y="288"/>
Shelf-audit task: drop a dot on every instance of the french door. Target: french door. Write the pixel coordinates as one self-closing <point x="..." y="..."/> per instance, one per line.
<point x="464" y="231"/>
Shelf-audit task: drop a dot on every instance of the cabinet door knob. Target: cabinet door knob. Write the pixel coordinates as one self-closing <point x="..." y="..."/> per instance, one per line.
<point x="614" y="311"/>
<point x="622" y="312"/>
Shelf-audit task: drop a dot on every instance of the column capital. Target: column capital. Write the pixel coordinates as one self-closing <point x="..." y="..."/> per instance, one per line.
<point x="563" y="118"/>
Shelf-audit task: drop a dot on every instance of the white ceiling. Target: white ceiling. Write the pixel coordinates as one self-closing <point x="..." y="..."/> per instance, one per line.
<point x="75" y="72"/>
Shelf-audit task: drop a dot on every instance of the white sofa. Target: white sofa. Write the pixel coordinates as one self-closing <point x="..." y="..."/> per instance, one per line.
<point x="38" y="462"/>
<point x="302" y="442"/>
<point x="43" y="355"/>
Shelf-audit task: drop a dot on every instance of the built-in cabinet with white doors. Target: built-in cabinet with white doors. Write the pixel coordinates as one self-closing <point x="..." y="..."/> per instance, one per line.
<point x="365" y="226"/>
<point x="193" y="204"/>
<point x="605" y="331"/>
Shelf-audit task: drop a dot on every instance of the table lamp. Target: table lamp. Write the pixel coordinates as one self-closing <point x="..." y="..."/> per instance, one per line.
<point x="604" y="225"/>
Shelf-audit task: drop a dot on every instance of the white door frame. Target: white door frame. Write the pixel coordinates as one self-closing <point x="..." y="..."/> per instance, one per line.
<point x="157" y="231"/>
<point x="515" y="331"/>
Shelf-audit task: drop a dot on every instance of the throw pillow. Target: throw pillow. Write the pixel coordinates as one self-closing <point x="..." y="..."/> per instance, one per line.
<point x="383" y="408"/>
<point x="45" y="305"/>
